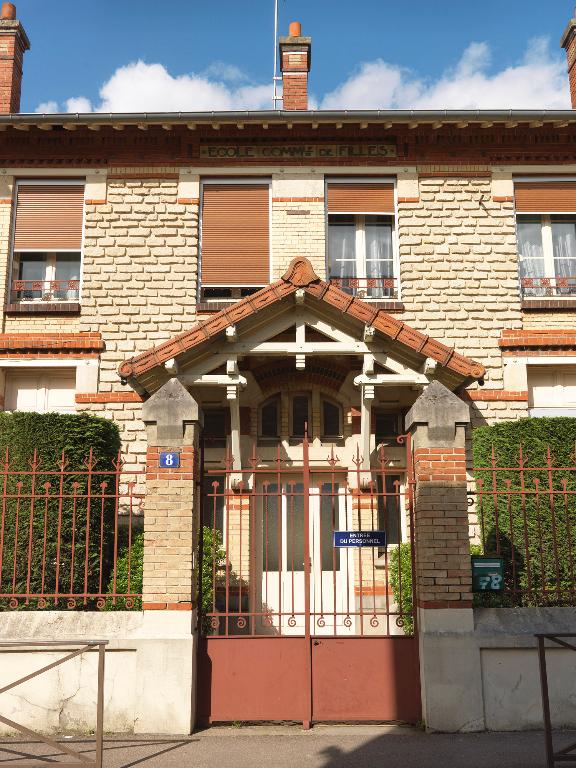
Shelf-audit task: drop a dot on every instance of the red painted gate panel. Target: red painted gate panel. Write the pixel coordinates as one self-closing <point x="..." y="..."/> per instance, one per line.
<point x="365" y="678"/>
<point x="252" y="678"/>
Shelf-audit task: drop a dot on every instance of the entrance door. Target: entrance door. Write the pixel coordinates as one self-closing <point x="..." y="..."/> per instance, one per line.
<point x="281" y="523"/>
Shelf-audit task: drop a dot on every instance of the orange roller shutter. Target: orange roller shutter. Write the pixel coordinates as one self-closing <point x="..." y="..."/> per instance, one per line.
<point x="364" y="197"/>
<point x="49" y="217"/>
<point x="545" y="196"/>
<point x="236" y="234"/>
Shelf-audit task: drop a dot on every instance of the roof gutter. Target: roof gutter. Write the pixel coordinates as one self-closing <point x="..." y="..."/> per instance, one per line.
<point x="291" y="116"/>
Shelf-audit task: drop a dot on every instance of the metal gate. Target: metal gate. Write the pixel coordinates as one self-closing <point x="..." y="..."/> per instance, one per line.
<point x="293" y="628"/>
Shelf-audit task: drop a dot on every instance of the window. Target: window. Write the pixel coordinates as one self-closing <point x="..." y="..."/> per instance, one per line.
<point x="361" y="257"/>
<point x="389" y="507"/>
<point x="547" y="250"/>
<point x="270" y="419"/>
<point x="47" y="247"/>
<point x="43" y="390"/>
<point x="216" y="427"/>
<point x="331" y="420"/>
<point x="546" y="230"/>
<point x="386" y="425"/>
<point x="300" y="417"/>
<point x="213" y="502"/>
<point x="552" y="390"/>
<point x="235" y="239"/>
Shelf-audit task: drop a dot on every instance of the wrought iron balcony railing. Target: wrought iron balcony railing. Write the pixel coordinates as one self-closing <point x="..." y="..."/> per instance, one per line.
<point x="368" y="287"/>
<point x="543" y="287"/>
<point x="44" y="290"/>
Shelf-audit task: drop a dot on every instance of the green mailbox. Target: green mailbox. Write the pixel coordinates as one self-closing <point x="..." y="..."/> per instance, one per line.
<point x="487" y="573"/>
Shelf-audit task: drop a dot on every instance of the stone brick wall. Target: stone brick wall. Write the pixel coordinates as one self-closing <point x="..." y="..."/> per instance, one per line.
<point x="459" y="270"/>
<point x="298" y="228"/>
<point x="459" y="273"/>
<point x="41" y="323"/>
<point x="563" y="319"/>
<point x="140" y="280"/>
<point x="140" y="269"/>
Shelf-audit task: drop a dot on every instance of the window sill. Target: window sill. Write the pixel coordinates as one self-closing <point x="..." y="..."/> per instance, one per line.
<point x="209" y="308"/>
<point x="387" y="306"/>
<point x="332" y="440"/>
<point x="554" y="305"/>
<point x="43" y="308"/>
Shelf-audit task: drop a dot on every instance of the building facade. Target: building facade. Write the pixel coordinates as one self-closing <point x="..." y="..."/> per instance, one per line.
<point x="304" y="275"/>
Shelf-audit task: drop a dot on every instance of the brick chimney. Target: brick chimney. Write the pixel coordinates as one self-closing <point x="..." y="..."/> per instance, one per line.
<point x="295" y="65"/>
<point x="13" y="44"/>
<point x="568" y="42"/>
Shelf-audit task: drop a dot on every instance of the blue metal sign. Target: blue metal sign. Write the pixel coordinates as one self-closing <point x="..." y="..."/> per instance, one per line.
<point x="169" y="459"/>
<point x="359" y="538"/>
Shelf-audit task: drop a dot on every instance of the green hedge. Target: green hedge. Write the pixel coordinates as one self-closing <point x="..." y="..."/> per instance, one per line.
<point x="400" y="567"/>
<point x="130" y="563"/>
<point x="535" y="533"/>
<point x="213" y="563"/>
<point x="51" y="434"/>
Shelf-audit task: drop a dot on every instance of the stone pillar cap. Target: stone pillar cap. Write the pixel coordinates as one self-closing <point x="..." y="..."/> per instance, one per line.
<point x="170" y="408"/>
<point x="441" y="410"/>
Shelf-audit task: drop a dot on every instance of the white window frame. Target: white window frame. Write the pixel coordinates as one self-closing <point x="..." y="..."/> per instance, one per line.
<point x="546" y="227"/>
<point x="230" y="180"/>
<point x="43" y="372"/>
<point x="360" y="225"/>
<point x="555" y="382"/>
<point x="50" y="253"/>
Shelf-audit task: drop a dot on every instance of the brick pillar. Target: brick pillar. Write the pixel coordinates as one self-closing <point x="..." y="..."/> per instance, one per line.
<point x="449" y="659"/>
<point x="13" y="44"/>
<point x="295" y="56"/>
<point x="172" y="419"/>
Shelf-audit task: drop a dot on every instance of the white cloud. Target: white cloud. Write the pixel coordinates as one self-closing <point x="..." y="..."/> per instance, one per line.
<point x="538" y="81"/>
<point x="47" y="107"/>
<point x="78" y="104"/>
<point x="142" y="87"/>
<point x="227" y="72"/>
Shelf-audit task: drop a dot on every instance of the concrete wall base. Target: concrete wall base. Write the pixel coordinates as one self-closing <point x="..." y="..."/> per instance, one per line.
<point x="149" y="681"/>
<point x="479" y="669"/>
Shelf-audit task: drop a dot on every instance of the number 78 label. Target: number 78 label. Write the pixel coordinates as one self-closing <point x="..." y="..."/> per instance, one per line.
<point x="487" y="574"/>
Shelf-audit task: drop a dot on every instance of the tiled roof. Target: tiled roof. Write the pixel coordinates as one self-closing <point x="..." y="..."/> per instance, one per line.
<point x="300" y="275"/>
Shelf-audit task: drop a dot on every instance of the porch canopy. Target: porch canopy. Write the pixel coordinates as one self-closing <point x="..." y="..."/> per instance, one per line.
<point x="301" y="317"/>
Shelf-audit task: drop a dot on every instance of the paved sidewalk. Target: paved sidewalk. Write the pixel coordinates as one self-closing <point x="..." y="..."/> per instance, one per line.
<point x="322" y="747"/>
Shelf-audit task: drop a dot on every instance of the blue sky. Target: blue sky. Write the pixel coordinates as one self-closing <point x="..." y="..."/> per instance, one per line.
<point x="372" y="53"/>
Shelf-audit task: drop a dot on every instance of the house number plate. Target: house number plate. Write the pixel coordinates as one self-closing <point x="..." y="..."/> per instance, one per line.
<point x="169" y="459"/>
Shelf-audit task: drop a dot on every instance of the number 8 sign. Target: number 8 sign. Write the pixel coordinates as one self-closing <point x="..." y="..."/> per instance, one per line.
<point x="169" y="460"/>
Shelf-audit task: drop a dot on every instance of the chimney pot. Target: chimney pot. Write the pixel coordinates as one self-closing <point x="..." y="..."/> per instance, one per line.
<point x="295" y="29"/>
<point x="8" y="11"/>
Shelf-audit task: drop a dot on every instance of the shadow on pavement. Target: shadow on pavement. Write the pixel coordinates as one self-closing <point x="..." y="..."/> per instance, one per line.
<point x="19" y="750"/>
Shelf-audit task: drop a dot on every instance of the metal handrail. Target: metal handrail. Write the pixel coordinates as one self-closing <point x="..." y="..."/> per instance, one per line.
<point x="562" y="755"/>
<point x="55" y="645"/>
